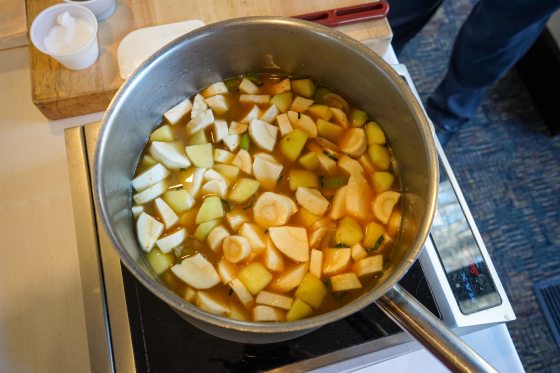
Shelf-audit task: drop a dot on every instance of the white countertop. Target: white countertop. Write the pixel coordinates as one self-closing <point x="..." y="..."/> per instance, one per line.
<point x="42" y="326"/>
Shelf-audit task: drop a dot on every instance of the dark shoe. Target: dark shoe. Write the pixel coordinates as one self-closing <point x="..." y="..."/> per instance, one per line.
<point x="443" y="135"/>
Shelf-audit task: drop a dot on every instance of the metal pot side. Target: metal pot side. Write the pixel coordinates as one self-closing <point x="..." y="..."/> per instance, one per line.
<point x="275" y="45"/>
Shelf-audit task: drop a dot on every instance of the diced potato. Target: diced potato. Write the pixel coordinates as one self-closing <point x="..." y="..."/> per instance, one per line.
<point x="199" y="106"/>
<point x="320" y="111"/>
<point x="236" y="218"/>
<point x="282" y="101"/>
<point x="300" y="104"/>
<point x="306" y="218"/>
<point x="273" y="260"/>
<point x="236" y="248"/>
<point x="327" y="164"/>
<point x="289" y="279"/>
<point x="303" y="87"/>
<point x="365" y="162"/>
<point x="328" y="130"/>
<point x="197" y="272"/>
<point x="345" y="281"/>
<point x="394" y="223"/>
<point x="212" y="302"/>
<point x="353" y="142"/>
<point x="179" y="200"/>
<point x="348" y="232"/>
<point x="243" y="161"/>
<point x="303" y="178"/>
<point x="188" y="218"/>
<point x="303" y="122"/>
<point x="292" y="144"/>
<point x="335" y="260"/>
<point x="226" y="270"/>
<point x="228" y="171"/>
<point x="316" y="263"/>
<point x="200" y="155"/>
<point x="218" y="88"/>
<point x="358" y="196"/>
<point x="254" y="99"/>
<point x="159" y="261"/>
<point x="291" y="241"/>
<point x="255" y="277"/>
<point x="178" y="112"/>
<point x="299" y="310"/>
<point x="241" y="291"/>
<point x="237" y="312"/>
<point x="238" y="128"/>
<point x="274" y="300"/>
<point x="349" y="165"/>
<point x="382" y="181"/>
<point x="284" y="124"/>
<point x="379" y="156"/>
<point x="283" y="86"/>
<point x="374" y="134"/>
<point x="316" y="237"/>
<point x="222" y="156"/>
<point x="384" y="204"/>
<point x="357" y="117"/>
<point x="368" y="266"/>
<point x="358" y="252"/>
<point x="151" y="176"/>
<point x="211" y="209"/>
<point x="311" y="290"/>
<point x="189" y="294"/>
<point x="204" y="229"/>
<point x="148" y="161"/>
<point x="219" y="104"/>
<point x="247" y="86"/>
<point x="312" y="200"/>
<point x="216" y="238"/>
<point x="266" y="313"/>
<point x="171" y="241"/>
<point x="310" y="161"/>
<point x="163" y="133"/>
<point x="243" y="190"/>
<point x="338" y="206"/>
<point x="198" y="138"/>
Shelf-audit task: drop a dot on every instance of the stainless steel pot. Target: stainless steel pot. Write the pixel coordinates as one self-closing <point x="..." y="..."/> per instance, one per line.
<point x="278" y="45"/>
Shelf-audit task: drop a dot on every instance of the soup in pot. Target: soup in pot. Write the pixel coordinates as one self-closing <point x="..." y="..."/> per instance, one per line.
<point x="267" y="198"/>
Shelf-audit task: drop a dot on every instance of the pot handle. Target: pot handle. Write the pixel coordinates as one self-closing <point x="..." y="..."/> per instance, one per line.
<point x="445" y="345"/>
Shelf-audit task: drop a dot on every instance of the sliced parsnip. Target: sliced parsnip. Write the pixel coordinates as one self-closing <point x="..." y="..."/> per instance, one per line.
<point x="301" y="104"/>
<point x="241" y="291"/>
<point x="358" y="252"/>
<point x="169" y="155"/>
<point x="196" y="181"/>
<point x="227" y="270"/>
<point x="291" y="241"/>
<point x="254" y="99"/>
<point x="212" y="302"/>
<point x="218" y="88"/>
<point x="222" y="156"/>
<point x="266" y="313"/>
<point x="349" y="165"/>
<point x="272" y="209"/>
<point x="150" y="193"/>
<point x="215" y="187"/>
<point x="220" y="130"/>
<point x="316" y="237"/>
<point x="273" y="259"/>
<point x="189" y="294"/>
<point x="148" y="231"/>
<point x="282" y="86"/>
<point x="384" y="204"/>
<point x="353" y="142"/>
<point x="200" y="122"/>
<point x="247" y="86"/>
<point x="274" y="300"/>
<point x="197" y="272"/>
<point x="312" y="200"/>
<point x="365" y="162"/>
<point x="238" y="128"/>
<point x="236" y="248"/>
<point x="316" y="263"/>
<point x="236" y="218"/>
<point x="263" y="134"/>
<point x="284" y="124"/>
<point x="335" y="260"/>
<point x="212" y="174"/>
<point x="338" y="206"/>
<point x="166" y="213"/>
<point x="327" y="164"/>
<point x="394" y="223"/>
<point x="178" y="112"/>
<point x="269" y="116"/>
<point x="199" y="106"/>
<point x="345" y="281"/>
<point x="368" y="266"/>
<point x="266" y="172"/>
<point x="289" y="279"/>
<point x="151" y="176"/>
<point x="230" y="172"/>
<point x="216" y="238"/>
<point x="340" y="117"/>
<point x="136" y="211"/>
<point x="358" y="196"/>
<point x="171" y="241"/>
<point x="303" y="122"/>
<point x="255" y="235"/>
<point x="254" y="113"/>
<point x="219" y="104"/>
<point x="231" y="142"/>
<point x="243" y="161"/>
<point x="237" y="311"/>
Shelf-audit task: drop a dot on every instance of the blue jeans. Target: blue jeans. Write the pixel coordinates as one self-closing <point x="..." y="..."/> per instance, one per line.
<point x="495" y="35"/>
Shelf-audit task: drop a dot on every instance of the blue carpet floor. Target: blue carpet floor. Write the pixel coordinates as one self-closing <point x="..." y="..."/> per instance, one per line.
<point x="509" y="170"/>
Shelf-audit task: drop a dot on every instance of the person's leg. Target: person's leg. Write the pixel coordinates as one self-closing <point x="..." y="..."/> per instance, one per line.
<point x="407" y="17"/>
<point x="496" y="34"/>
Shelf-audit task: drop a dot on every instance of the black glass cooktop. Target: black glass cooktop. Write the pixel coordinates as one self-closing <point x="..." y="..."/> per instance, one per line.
<point x="164" y="342"/>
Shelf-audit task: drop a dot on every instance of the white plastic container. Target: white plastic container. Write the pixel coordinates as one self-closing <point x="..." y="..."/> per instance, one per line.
<point x="78" y="59"/>
<point x="102" y="9"/>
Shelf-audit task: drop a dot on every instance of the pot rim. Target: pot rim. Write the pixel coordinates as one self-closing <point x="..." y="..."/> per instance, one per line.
<point x="364" y="300"/>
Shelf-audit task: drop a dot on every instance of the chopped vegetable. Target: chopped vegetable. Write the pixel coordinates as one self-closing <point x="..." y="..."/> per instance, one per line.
<point x="316" y="263"/>
<point x="255" y="277"/>
<point x="197" y="272"/>
<point x="289" y="279"/>
<point x="292" y="144"/>
<point x="369" y="265"/>
<point x="211" y="209"/>
<point x="299" y="310"/>
<point x="379" y="156"/>
<point x="178" y="112"/>
<point x="291" y="241"/>
<point x="159" y="261"/>
<point x="348" y="232"/>
<point x="243" y="190"/>
<point x="335" y="260"/>
<point x="357" y="117"/>
<point x="303" y="87"/>
<point x="236" y="248"/>
<point x="282" y="101"/>
<point x="345" y="281"/>
<point x="384" y="204"/>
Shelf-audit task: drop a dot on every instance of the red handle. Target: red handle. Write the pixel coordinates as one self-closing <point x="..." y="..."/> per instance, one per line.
<point x="347" y="15"/>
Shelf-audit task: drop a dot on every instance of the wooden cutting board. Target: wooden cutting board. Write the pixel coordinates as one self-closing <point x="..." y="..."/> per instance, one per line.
<point x="13" y="26"/>
<point x="61" y="93"/>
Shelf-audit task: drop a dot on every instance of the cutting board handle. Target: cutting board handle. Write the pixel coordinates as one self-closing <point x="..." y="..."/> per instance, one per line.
<point x="349" y="14"/>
